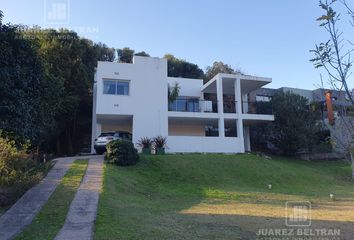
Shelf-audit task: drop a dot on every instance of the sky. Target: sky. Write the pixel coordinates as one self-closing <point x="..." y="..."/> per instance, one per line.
<point x="265" y="38"/>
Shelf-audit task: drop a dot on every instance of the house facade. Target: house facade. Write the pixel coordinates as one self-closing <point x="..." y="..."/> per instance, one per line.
<point x="213" y="117"/>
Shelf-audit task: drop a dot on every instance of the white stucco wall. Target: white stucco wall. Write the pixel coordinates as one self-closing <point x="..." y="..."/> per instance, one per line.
<point x="191" y="144"/>
<point x="147" y="99"/>
<point x="188" y="86"/>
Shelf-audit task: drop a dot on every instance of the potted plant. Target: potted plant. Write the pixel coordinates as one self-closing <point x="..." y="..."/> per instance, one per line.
<point x="145" y="143"/>
<point x="160" y="144"/>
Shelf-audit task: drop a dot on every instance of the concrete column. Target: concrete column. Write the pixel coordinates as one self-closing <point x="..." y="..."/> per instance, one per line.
<point x="94" y="117"/>
<point x="220" y="99"/>
<point x="239" y="120"/>
<point x="219" y="95"/>
<point x="240" y="132"/>
<point x="246" y="136"/>
<point x="221" y="127"/>
<point x="238" y="98"/>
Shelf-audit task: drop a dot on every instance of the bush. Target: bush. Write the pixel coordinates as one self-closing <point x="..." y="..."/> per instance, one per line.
<point x="122" y="153"/>
<point x="18" y="172"/>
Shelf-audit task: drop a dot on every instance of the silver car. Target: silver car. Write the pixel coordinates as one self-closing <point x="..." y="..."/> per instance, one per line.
<point x="103" y="139"/>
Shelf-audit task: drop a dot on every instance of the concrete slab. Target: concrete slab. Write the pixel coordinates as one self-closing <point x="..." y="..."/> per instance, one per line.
<point x="80" y="219"/>
<point x="28" y="206"/>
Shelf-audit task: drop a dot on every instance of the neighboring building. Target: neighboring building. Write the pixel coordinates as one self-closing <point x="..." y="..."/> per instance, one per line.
<point x="317" y="95"/>
<point x="133" y="97"/>
<point x="341" y="105"/>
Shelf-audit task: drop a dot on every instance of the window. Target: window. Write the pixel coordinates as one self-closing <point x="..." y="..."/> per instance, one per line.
<point x="115" y="87"/>
<point x="185" y="104"/>
<point x="261" y="98"/>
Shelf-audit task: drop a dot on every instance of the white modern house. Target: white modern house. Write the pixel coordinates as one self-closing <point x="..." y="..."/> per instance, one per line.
<point x="212" y="117"/>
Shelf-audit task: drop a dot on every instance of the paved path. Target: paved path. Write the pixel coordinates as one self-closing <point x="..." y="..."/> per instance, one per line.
<point x="80" y="219"/>
<point x="27" y="207"/>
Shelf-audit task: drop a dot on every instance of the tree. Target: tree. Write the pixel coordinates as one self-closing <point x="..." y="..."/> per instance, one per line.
<point x="218" y="67"/>
<point x="295" y="125"/>
<point x="334" y="56"/>
<point x="104" y="52"/>
<point x="182" y="68"/>
<point x="142" y="54"/>
<point x="69" y="62"/>
<point x="24" y="89"/>
<point x="125" y="55"/>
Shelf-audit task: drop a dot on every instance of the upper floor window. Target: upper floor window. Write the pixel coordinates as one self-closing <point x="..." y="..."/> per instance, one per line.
<point x="261" y="98"/>
<point x="115" y="87"/>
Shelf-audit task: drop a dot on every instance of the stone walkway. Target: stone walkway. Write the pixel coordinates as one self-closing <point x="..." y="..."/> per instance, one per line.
<point x="28" y="206"/>
<point x="80" y="220"/>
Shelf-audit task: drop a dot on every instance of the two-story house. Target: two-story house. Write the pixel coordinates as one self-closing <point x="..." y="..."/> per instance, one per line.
<point x="134" y="98"/>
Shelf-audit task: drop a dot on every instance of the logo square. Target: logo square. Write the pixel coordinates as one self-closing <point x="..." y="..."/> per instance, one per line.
<point x="298" y="214"/>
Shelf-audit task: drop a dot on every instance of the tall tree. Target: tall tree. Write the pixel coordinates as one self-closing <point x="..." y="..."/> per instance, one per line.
<point x="295" y="125"/>
<point x="182" y="68"/>
<point x="69" y="62"/>
<point x="334" y="56"/>
<point x="218" y="67"/>
<point x="104" y="52"/>
<point x="125" y="55"/>
<point x="25" y="89"/>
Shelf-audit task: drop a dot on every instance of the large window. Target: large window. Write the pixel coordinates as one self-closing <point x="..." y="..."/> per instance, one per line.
<point x="261" y="98"/>
<point x="185" y="104"/>
<point x="115" y="87"/>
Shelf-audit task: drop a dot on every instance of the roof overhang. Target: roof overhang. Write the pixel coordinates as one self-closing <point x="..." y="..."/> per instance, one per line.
<point x="248" y="83"/>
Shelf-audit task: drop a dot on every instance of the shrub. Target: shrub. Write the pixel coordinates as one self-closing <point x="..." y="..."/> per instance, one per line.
<point x="145" y="142"/>
<point x="122" y="153"/>
<point x="18" y="171"/>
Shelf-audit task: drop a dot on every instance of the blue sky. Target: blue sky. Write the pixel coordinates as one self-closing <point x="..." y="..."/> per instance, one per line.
<point x="266" y="38"/>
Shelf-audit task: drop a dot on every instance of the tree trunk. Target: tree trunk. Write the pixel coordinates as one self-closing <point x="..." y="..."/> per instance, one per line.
<point x="69" y="142"/>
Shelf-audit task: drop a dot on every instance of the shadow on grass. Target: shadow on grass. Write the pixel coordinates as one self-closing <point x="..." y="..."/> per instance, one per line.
<point x="151" y="200"/>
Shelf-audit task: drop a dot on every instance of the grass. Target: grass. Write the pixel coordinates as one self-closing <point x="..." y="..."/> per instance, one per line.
<point x="52" y="216"/>
<point x="219" y="196"/>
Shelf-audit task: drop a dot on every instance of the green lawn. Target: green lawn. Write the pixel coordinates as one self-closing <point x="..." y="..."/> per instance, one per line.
<point x="52" y="216"/>
<point x="218" y="196"/>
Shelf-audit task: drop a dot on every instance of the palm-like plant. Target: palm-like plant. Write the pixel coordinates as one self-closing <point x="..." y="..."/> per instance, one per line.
<point x="160" y="142"/>
<point x="145" y="142"/>
<point x="173" y="92"/>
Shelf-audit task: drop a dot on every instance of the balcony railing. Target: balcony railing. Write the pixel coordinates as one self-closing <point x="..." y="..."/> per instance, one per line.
<point x="193" y="105"/>
<point x="197" y="105"/>
<point x="229" y="106"/>
<point x="257" y="107"/>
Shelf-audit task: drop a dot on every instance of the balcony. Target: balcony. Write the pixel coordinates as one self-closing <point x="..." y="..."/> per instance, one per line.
<point x="193" y="105"/>
<point x="257" y="108"/>
<point x="211" y="106"/>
